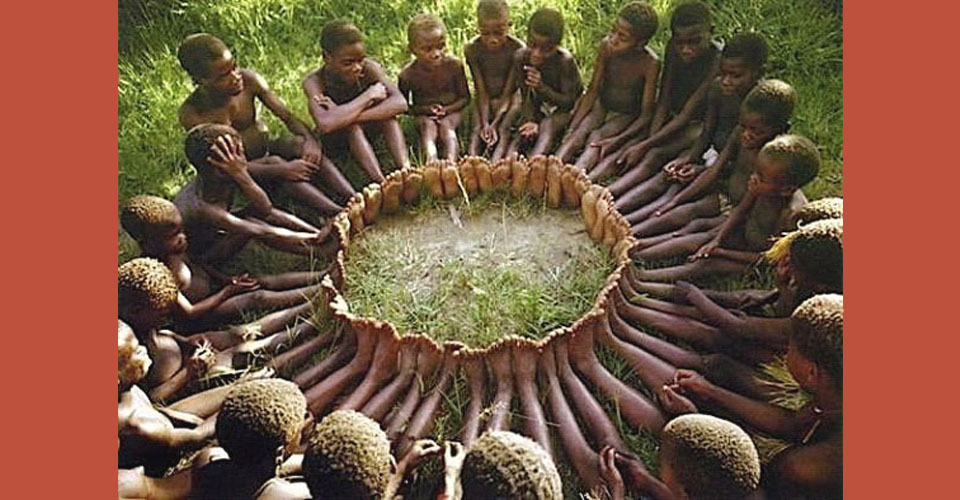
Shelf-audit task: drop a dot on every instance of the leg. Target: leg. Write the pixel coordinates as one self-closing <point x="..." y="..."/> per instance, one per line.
<point x="395" y="143"/>
<point x="203" y="404"/>
<point x="525" y="355"/>
<point x="695" y="226"/>
<point x="286" y="281"/>
<point x="380" y="404"/>
<point x="643" y="193"/>
<point x="696" y="269"/>
<point x="326" y="390"/>
<point x="476" y="372"/>
<point x="574" y="140"/>
<point x="363" y="153"/>
<point x="708" y="206"/>
<point x="657" y="157"/>
<point x="428" y="137"/>
<point x="674" y="247"/>
<point x="264" y="299"/>
<point x="591" y="155"/>
<point x="287" y="146"/>
<point x="448" y="135"/>
<point x="504" y="128"/>
<point x="382" y="367"/>
<point x="330" y="176"/>
<point x="550" y="127"/>
<point x="608" y="163"/>
<point x="423" y="421"/>
<point x="474" y="148"/>
<point x="308" y="194"/>
<point x="500" y="365"/>
<point x="591" y="413"/>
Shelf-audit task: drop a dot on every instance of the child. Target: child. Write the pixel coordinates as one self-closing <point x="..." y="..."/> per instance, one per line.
<point x="156" y="225"/>
<point x="701" y="457"/>
<point x="690" y="65"/>
<point x="504" y="465"/>
<point x="226" y="94"/>
<point x="438" y="86"/>
<point x="624" y="80"/>
<point x="814" y="466"/>
<point x="783" y="166"/>
<point x="351" y="96"/>
<point x="765" y="112"/>
<point x="490" y="57"/>
<point x="741" y="66"/>
<point x="216" y="151"/>
<point x="550" y="86"/>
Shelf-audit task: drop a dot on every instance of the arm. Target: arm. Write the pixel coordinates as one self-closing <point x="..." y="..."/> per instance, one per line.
<point x="666" y="85"/>
<point x="280" y="110"/>
<point x="734" y="220"/>
<point x="709" y="127"/>
<point x="647" y="108"/>
<point x="394" y="104"/>
<point x="587" y="100"/>
<point x="220" y="218"/>
<point x="186" y="311"/>
<point x="766" y="330"/>
<point x="133" y="484"/>
<point x="703" y="182"/>
<point x="331" y="118"/>
<point x="570" y="85"/>
<point x="463" y="91"/>
<point x="685" y="115"/>
<point x="479" y="87"/>
<point x="509" y="88"/>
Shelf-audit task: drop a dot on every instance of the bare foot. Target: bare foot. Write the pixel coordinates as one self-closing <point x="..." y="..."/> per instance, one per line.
<point x="468" y="173"/>
<point x="355" y="209"/>
<point x="412" y="183"/>
<point x="431" y="175"/>
<point x="568" y="184"/>
<point x="588" y="206"/>
<point x="372" y="200"/>
<point x="554" y="188"/>
<point x="538" y="175"/>
<point x="392" y="190"/>
<point x="484" y="175"/>
<point x="520" y="174"/>
<point x="500" y="174"/>
<point x="450" y="177"/>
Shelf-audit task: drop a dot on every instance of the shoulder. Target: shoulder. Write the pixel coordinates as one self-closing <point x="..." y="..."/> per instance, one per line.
<point x="521" y="54"/>
<point x="407" y="71"/>
<point x="251" y="77"/>
<point x="472" y="48"/>
<point x="650" y="53"/>
<point x="453" y="64"/>
<point x="515" y="42"/>
<point x="187" y="112"/>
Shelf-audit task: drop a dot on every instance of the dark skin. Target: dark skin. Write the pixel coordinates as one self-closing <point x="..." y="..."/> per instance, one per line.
<point x="490" y="57"/>
<point x="424" y="419"/>
<point x="429" y="359"/>
<point x="438" y="87"/>
<point x="205" y="204"/>
<point x="378" y="406"/>
<point x="625" y="83"/>
<point x="548" y="76"/>
<point x="321" y="395"/>
<point x="501" y="366"/>
<point x="352" y="95"/>
<point x="227" y="95"/>
<point x="382" y="367"/>
<point x="599" y="425"/>
<point x="525" y="356"/>
<point x="475" y="370"/>
<point x="690" y="65"/>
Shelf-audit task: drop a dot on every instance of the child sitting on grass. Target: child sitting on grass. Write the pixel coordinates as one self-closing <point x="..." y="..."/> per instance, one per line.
<point x="205" y="203"/>
<point x="622" y="92"/>
<point x="437" y="84"/>
<point x="814" y="465"/>
<point x="490" y="57"/>
<point x="701" y="457"/>
<point x="350" y="97"/>
<point x="156" y="225"/>
<point x="226" y="94"/>
<point x="783" y="166"/>
<point x="741" y="66"/>
<point x="550" y="86"/>
<point x="691" y="60"/>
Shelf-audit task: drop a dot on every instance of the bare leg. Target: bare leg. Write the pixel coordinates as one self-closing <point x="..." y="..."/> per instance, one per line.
<point x="646" y="211"/>
<point x="286" y="281"/>
<point x="731" y="300"/>
<point x="382" y="367"/>
<point x="266" y="325"/>
<point x="330" y="176"/>
<point x="701" y="267"/>
<point x="264" y="299"/>
<point x="636" y="409"/>
<point x="676" y="356"/>
<point x="447" y="132"/>
<point x="708" y="206"/>
<point x="504" y="129"/>
<point x="657" y="157"/>
<point x="474" y="148"/>
<point x="428" y="137"/>
<point x="575" y="446"/>
<point x="334" y="361"/>
<point x="679" y="327"/>
<point x="695" y="226"/>
<point x="593" y="415"/>
<point x="203" y="404"/>
<point x="395" y="143"/>
<point x="643" y="193"/>
<point x="653" y="371"/>
<point x="363" y="152"/>
<point x="249" y="352"/>
<point x="626" y="294"/>
<point x="591" y="155"/>
<point x="575" y="139"/>
<point x="429" y="358"/>
<point x="525" y="356"/>
<point x="475" y="370"/>
<point x="308" y="194"/>
<point x="380" y="404"/>
<point x="286" y="362"/>
<point x="609" y="163"/>
<point x="499" y="359"/>
<point x="423" y="421"/>
<point x="550" y="127"/>
<point x="324" y="392"/>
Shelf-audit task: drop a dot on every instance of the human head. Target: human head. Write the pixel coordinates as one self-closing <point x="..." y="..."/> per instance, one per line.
<point x="146" y="292"/>
<point x="742" y="62"/>
<point x="765" y="112"/>
<point x="544" y="34"/>
<point x="635" y="25"/>
<point x="705" y="457"/>
<point x="785" y="164"/>
<point x="815" y="350"/>
<point x="504" y="465"/>
<point x="692" y="26"/>
<point x="348" y="457"/>
<point x="812" y="257"/>
<point x="200" y="140"/>
<point x="133" y="362"/>
<point x="156" y="225"/>
<point x="209" y="63"/>
<point x="343" y="48"/>
<point x="258" y="418"/>
<point x="493" y="20"/>
<point x="426" y="36"/>
<point x="824" y="208"/>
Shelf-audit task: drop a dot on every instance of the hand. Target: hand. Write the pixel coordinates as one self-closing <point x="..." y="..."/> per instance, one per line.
<point x="637" y="474"/>
<point x="241" y="284"/>
<point x="605" y="145"/>
<point x="311" y="151"/>
<point x="632" y="155"/>
<point x="529" y="130"/>
<point x="227" y="155"/>
<point x="453" y="455"/>
<point x="706" y="250"/>
<point x="376" y="92"/>
<point x="438" y="111"/>
<point x="686" y="173"/>
<point x="608" y="471"/>
<point x="298" y="171"/>
<point x="690" y="383"/>
<point x="673" y="403"/>
<point x="534" y="79"/>
<point x="489" y="135"/>
<point x="753" y="184"/>
<point x="202" y="359"/>
<point x="323" y="101"/>
<point x="421" y="449"/>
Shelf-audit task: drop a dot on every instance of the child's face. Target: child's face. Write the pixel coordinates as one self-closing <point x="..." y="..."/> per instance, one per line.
<point x="622" y="37"/>
<point x="169" y="239"/>
<point x="690" y="41"/>
<point x="736" y="78"/>
<point x="541" y="48"/>
<point x="133" y="361"/>
<point x="493" y="32"/>
<point x="223" y="75"/>
<point x="755" y="131"/>
<point x="347" y="61"/>
<point x="429" y="46"/>
<point x="770" y="178"/>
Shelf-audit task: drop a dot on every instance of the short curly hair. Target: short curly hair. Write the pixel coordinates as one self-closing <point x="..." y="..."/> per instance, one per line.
<point x="642" y="18"/>
<point x="504" y="465"/>
<point x="816" y="250"/>
<point x="817" y="332"/>
<point x="143" y="214"/>
<point x="798" y="154"/>
<point x="547" y="22"/>
<point x="773" y="100"/>
<point x="339" y="33"/>
<point x="691" y="14"/>
<point x="423" y="22"/>
<point x="824" y="208"/>
<point x="712" y="458"/>
<point x="145" y="284"/>
<point x="258" y="417"/>
<point x="348" y="457"/>
<point x="197" y="51"/>
<point x="749" y="46"/>
<point x="493" y="9"/>
<point x="200" y="139"/>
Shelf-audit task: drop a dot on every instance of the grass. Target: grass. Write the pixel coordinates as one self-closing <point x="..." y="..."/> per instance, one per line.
<point x="278" y="38"/>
